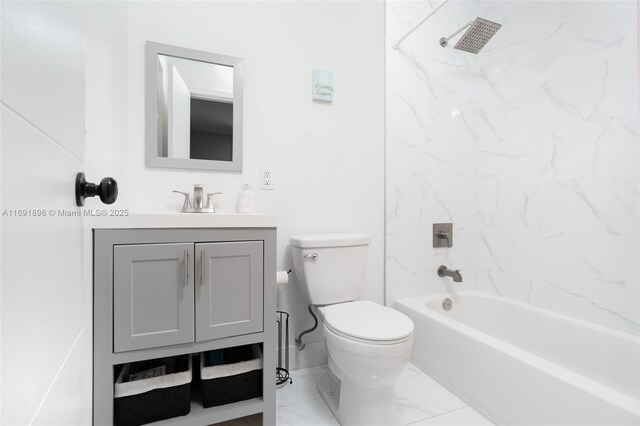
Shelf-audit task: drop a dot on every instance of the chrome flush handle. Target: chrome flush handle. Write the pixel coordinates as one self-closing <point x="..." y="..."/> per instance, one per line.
<point x="312" y="256"/>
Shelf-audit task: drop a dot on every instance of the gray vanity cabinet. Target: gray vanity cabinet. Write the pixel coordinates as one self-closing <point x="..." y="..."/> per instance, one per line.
<point x="229" y="293"/>
<point x="154" y="302"/>
<point x="162" y="292"/>
<point x="152" y="295"/>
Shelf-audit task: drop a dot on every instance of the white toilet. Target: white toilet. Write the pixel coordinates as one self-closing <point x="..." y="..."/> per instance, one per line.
<point x="368" y="344"/>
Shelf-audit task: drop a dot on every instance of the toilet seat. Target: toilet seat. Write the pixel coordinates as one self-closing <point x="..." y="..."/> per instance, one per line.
<point x="368" y="322"/>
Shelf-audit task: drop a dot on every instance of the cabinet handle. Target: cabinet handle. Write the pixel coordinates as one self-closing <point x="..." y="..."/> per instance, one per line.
<point x="201" y="268"/>
<point x="186" y="268"/>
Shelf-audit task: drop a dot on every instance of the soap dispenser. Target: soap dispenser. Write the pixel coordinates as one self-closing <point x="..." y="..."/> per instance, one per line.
<point x="245" y="199"/>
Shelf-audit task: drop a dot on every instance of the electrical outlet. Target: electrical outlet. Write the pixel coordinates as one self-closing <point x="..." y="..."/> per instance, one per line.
<point x="267" y="178"/>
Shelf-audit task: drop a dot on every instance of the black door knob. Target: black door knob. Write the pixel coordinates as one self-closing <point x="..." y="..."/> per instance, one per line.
<point x="107" y="190"/>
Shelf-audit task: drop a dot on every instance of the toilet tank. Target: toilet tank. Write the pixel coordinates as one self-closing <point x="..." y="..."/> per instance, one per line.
<point x="330" y="268"/>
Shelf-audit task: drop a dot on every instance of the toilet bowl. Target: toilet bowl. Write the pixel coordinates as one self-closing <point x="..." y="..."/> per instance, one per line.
<point x="367" y="344"/>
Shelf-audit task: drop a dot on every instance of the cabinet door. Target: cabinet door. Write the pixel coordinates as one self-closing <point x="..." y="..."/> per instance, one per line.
<point x="152" y="295"/>
<point x="229" y="290"/>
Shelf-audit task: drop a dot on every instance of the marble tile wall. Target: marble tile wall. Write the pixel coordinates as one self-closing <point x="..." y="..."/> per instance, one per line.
<point x="530" y="148"/>
<point x="431" y="156"/>
<point x="558" y="137"/>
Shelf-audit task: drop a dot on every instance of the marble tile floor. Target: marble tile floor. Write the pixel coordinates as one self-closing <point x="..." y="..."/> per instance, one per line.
<point x="421" y="401"/>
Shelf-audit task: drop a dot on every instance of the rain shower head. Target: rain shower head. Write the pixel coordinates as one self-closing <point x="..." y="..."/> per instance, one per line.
<point x="478" y="34"/>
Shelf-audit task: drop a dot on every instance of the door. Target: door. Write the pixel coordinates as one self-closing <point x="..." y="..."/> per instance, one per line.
<point x="229" y="289"/>
<point x="179" y="120"/>
<point x="46" y="293"/>
<point x="152" y="295"/>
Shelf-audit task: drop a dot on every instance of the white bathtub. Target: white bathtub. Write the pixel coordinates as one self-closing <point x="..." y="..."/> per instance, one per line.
<point x="522" y="365"/>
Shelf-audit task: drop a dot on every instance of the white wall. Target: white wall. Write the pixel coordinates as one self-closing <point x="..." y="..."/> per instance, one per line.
<point x="431" y="135"/>
<point x="328" y="158"/>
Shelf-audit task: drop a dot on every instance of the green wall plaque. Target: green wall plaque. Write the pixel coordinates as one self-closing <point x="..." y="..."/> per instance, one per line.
<point x="322" y="85"/>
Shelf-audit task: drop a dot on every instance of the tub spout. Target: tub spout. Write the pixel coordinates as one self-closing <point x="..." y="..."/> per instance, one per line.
<point x="443" y="271"/>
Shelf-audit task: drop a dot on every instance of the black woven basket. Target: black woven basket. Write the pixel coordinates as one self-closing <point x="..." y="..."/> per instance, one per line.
<point x="237" y="387"/>
<point x="156" y="404"/>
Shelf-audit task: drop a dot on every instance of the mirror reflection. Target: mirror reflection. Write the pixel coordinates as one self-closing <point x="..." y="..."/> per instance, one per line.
<point x="195" y="106"/>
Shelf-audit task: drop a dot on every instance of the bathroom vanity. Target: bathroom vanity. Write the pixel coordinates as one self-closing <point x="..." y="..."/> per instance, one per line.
<point x="180" y="284"/>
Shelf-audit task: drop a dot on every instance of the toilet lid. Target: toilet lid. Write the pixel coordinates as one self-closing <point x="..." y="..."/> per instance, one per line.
<point x="367" y="321"/>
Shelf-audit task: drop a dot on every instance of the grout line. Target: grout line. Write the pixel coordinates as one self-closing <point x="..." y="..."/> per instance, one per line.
<point x="39" y="130"/>
<point x="402" y="379"/>
<point x="323" y="403"/>
<point x="298" y="403"/>
<point x="419" y="373"/>
<point x="55" y="378"/>
<point x="437" y="415"/>
<point x="292" y="372"/>
<point x="315" y="388"/>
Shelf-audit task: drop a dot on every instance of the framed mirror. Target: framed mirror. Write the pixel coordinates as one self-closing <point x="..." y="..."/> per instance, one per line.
<point x="193" y="109"/>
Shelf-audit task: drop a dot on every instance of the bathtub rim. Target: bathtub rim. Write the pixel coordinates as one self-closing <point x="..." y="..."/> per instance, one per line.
<point x="482" y="294"/>
<point x="615" y="397"/>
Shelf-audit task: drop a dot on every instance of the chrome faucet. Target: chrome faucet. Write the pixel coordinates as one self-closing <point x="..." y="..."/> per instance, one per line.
<point x="443" y="271"/>
<point x="197" y="196"/>
<point x="197" y="206"/>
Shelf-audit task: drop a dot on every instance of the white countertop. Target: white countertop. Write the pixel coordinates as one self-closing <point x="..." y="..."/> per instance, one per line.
<point x="185" y="220"/>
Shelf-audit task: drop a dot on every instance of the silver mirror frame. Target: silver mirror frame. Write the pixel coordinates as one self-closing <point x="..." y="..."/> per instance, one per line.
<point x="152" y="50"/>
